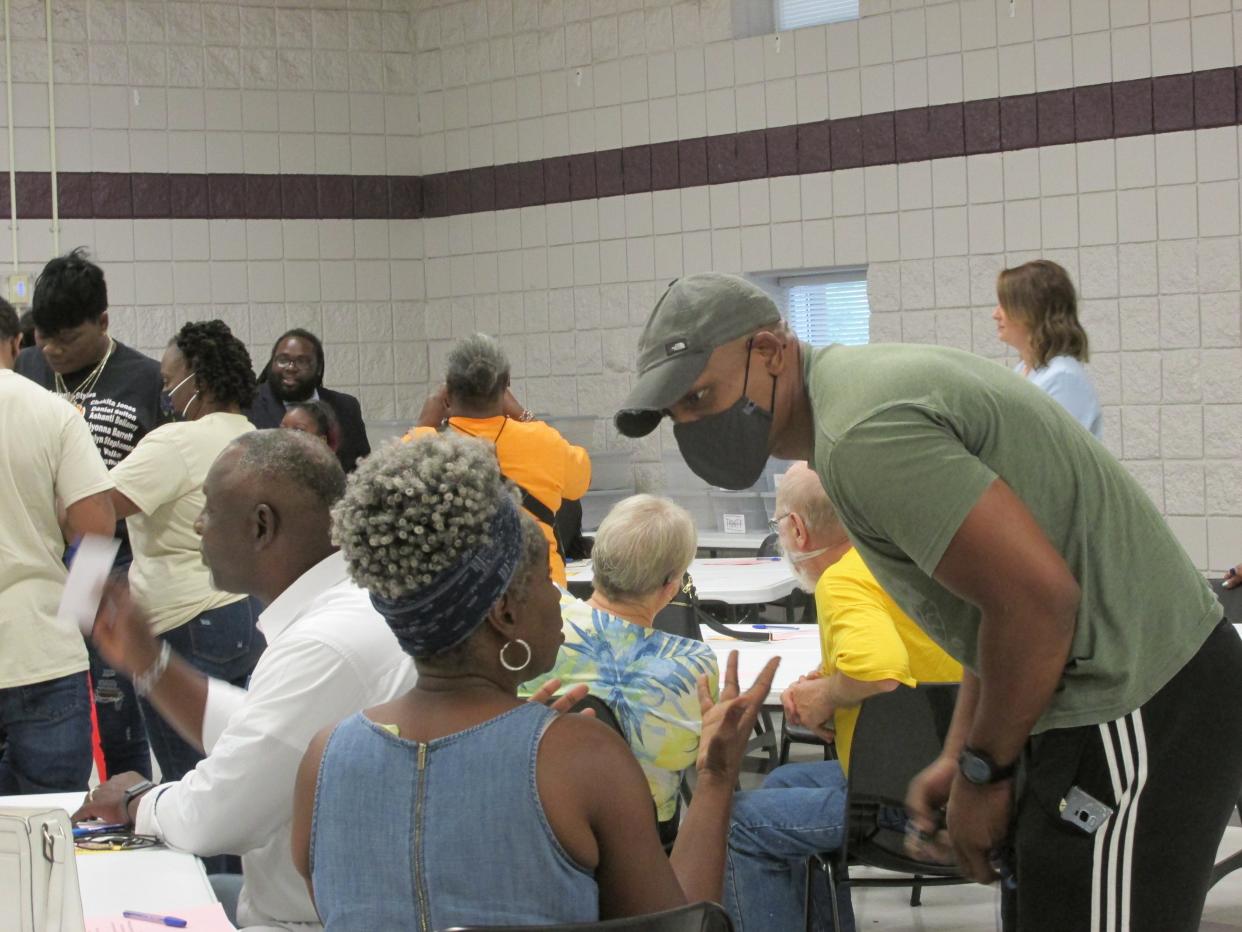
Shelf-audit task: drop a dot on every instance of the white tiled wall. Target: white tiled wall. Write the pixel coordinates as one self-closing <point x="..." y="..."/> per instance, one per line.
<point x="256" y="88"/>
<point x="1148" y="226"/>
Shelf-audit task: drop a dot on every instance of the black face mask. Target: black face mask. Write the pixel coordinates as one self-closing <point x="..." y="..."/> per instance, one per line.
<point x="729" y="449"/>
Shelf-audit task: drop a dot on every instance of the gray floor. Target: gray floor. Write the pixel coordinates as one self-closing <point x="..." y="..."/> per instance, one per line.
<point x="976" y="909"/>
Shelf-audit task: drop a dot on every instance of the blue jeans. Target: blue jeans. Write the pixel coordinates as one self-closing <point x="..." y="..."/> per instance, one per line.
<point x="799" y="811"/>
<point x="122" y="736"/>
<point x="221" y="642"/>
<point x="45" y="736"/>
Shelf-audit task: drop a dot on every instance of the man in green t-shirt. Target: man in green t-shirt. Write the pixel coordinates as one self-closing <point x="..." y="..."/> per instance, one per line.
<point x="1095" y="652"/>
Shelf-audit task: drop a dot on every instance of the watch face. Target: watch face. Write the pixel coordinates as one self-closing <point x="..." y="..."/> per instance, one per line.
<point x="974" y="768"/>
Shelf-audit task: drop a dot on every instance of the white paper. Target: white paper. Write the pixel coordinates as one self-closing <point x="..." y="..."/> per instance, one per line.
<point x="87" y="574"/>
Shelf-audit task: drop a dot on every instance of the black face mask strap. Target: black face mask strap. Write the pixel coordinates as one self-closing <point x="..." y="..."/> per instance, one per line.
<point x="746" y="379"/>
<point x="746" y="372"/>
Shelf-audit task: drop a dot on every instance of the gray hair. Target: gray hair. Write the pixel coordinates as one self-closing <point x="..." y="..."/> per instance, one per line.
<point x="291" y="459"/>
<point x="802" y="493"/>
<point x="478" y="369"/>
<point x="413" y="510"/>
<point x="642" y="544"/>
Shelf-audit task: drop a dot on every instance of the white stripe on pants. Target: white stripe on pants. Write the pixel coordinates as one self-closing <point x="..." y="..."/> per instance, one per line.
<point x="1125" y="748"/>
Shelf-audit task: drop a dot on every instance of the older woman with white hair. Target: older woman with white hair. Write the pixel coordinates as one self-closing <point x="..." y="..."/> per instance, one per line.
<point x="645" y="676"/>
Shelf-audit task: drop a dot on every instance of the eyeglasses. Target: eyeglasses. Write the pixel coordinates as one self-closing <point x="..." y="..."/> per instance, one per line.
<point x="120" y="841"/>
<point x="774" y="526"/>
<point x="301" y="363"/>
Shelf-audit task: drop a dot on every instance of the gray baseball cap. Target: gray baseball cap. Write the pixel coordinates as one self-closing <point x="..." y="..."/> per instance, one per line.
<point x="695" y="315"/>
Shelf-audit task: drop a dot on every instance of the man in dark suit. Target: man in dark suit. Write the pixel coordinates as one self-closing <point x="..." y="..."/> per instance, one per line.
<point x="293" y="374"/>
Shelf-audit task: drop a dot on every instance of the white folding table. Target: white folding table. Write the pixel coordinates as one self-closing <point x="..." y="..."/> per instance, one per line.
<point x="151" y="880"/>
<point x="731" y="580"/>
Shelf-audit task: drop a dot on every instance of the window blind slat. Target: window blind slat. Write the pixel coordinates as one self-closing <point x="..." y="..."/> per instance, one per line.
<point x="830" y="312"/>
<point x="795" y="14"/>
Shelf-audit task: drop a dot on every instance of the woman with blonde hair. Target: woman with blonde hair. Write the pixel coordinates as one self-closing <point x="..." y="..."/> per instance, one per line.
<point x="1037" y="314"/>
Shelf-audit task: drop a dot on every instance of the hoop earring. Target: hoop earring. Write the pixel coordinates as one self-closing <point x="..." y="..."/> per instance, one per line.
<point x="511" y="667"/>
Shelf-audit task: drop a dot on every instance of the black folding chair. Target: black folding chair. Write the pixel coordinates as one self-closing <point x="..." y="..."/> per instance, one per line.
<point x="898" y="733"/>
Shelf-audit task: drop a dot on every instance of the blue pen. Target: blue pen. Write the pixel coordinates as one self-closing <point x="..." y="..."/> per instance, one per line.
<point x="775" y="627"/>
<point x="158" y="920"/>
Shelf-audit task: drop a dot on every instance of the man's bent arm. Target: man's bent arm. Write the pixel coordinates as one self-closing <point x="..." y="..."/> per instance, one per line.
<point x="1001" y="561"/>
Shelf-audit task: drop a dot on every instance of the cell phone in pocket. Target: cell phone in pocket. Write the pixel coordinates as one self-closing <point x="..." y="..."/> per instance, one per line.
<point x="1082" y="810"/>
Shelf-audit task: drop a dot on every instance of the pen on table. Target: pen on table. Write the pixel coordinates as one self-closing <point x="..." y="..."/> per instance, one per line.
<point x="158" y="920"/>
<point x="775" y="627"/>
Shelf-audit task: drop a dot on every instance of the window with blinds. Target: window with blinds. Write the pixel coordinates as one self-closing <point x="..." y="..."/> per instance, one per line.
<point x="825" y="309"/>
<point x="794" y="14"/>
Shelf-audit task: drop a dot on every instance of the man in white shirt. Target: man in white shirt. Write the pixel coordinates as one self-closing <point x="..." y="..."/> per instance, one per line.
<point x="47" y="461"/>
<point x="265" y="532"/>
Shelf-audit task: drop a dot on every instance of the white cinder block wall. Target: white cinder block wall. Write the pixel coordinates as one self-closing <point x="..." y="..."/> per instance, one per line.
<point x="254" y="88"/>
<point x="1148" y="225"/>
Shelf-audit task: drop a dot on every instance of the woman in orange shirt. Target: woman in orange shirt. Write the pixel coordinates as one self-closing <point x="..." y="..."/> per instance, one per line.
<point x="475" y="400"/>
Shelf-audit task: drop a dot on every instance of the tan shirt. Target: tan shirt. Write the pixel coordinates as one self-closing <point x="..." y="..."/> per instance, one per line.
<point x="53" y="459"/>
<point x="164" y="478"/>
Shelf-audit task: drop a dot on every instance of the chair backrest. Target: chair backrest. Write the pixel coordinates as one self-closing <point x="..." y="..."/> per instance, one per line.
<point x="771" y="546"/>
<point x="1231" y="599"/>
<point x="603" y="712"/>
<point x="898" y="733"/>
<point x="697" y="917"/>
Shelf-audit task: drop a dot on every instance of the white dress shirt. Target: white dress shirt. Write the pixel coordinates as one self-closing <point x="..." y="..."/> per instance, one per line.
<point x="329" y="654"/>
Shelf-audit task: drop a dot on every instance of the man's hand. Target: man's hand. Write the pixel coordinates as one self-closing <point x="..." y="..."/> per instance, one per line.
<point x="787" y="703"/>
<point x="727" y="723"/>
<point x="978" y="818"/>
<point x="926" y="798"/>
<point x="1233" y="577"/>
<point x="107" y="801"/>
<point x="122" y="632"/>
<point x="812" y="706"/>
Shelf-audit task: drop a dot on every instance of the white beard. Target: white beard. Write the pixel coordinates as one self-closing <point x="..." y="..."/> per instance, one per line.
<point x="805" y="583"/>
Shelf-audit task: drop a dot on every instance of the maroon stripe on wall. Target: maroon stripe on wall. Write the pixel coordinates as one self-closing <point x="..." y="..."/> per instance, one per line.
<point x="1170" y="103"/>
<point x="148" y="196"/>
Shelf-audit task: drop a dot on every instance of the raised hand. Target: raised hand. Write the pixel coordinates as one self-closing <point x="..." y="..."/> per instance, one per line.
<point x="547" y="695"/>
<point x="727" y="723"/>
<point x="122" y="632"/>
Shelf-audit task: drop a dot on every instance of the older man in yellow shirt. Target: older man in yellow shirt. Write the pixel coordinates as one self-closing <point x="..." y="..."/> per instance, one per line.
<point x="869" y="646"/>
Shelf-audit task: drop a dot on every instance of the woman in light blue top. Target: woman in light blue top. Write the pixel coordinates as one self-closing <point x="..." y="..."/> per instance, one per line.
<point x="457" y="804"/>
<point x="1037" y="314"/>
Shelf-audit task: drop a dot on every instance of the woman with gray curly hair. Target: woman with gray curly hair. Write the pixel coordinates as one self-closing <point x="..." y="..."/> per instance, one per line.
<point x="475" y="400"/>
<point x="458" y="780"/>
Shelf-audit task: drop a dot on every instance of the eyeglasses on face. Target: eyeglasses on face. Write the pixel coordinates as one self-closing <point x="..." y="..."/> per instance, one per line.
<point x="300" y="363"/>
<point x="774" y="526"/>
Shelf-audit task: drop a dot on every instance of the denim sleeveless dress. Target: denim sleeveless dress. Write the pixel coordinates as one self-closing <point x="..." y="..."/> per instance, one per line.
<point x="426" y="836"/>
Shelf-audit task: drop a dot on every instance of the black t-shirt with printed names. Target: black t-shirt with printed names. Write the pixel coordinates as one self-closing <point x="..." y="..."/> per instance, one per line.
<point x="124" y="404"/>
<point x="121" y="409"/>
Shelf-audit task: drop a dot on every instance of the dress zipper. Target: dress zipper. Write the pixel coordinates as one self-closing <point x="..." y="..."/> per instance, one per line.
<point x="420" y="879"/>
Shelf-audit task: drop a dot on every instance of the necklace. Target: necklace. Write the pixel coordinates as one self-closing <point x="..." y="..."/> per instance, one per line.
<point x="78" y="396"/>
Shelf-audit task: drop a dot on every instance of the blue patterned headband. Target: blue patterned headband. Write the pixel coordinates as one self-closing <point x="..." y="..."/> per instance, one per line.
<point x="448" y="611"/>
